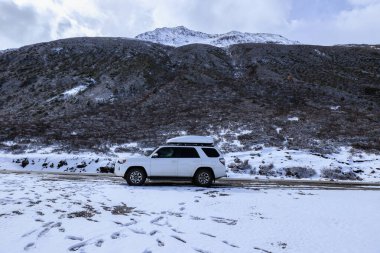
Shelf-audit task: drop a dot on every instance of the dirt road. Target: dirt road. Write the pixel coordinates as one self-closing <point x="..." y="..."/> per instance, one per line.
<point x="224" y="182"/>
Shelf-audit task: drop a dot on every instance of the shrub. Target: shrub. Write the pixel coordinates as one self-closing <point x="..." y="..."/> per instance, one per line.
<point x="267" y="170"/>
<point x="338" y="173"/>
<point x="299" y="172"/>
<point x="240" y="165"/>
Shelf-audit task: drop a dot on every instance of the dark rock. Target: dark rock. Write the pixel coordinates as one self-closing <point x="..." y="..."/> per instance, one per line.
<point x="62" y="163"/>
<point x="24" y="162"/>
<point x="82" y="165"/>
<point x="106" y="169"/>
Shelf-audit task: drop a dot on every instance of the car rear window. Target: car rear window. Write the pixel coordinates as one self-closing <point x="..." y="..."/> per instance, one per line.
<point x="186" y="153"/>
<point x="211" y="152"/>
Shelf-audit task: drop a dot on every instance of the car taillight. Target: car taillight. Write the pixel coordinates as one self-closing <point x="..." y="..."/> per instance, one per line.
<point x="222" y="161"/>
<point x="121" y="161"/>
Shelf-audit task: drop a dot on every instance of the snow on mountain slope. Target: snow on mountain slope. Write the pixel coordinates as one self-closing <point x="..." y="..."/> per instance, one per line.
<point x="179" y="36"/>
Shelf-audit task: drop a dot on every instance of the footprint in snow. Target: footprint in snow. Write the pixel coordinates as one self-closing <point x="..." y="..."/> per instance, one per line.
<point x="207" y="234"/>
<point x="48" y="226"/>
<point x="77" y="246"/>
<point x="160" y="243"/>
<point x="29" y="233"/>
<point x="137" y="231"/>
<point x="179" y="238"/>
<point x="115" y="235"/>
<point x="153" y="232"/>
<point x="158" y="221"/>
<point x="224" y="220"/>
<point x="262" y="250"/>
<point x="75" y="238"/>
<point x="28" y="246"/>
<point x="201" y="250"/>
<point x="196" y="218"/>
<point x="99" y="243"/>
<point x="230" y="244"/>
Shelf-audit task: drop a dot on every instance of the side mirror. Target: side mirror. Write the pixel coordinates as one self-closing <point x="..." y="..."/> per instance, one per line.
<point x="155" y="155"/>
<point x="148" y="152"/>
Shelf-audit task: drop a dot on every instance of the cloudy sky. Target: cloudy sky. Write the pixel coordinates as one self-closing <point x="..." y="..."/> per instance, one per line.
<point x="323" y="22"/>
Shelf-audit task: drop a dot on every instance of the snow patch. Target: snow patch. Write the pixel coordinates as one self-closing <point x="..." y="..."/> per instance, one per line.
<point x="293" y="119"/>
<point x="319" y="53"/>
<point x="335" y="107"/>
<point x="74" y="91"/>
<point x="57" y="49"/>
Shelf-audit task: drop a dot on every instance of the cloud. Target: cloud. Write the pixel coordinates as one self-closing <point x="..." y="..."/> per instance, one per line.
<point x="223" y="15"/>
<point x="363" y="2"/>
<point x="315" y="22"/>
<point x="20" y="25"/>
<point x="358" y="24"/>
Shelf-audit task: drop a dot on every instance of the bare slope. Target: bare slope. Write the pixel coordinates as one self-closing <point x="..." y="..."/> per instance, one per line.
<point x="89" y="91"/>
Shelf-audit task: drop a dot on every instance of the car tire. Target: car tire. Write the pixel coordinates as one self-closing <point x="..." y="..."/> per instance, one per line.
<point x="203" y="177"/>
<point x="135" y="176"/>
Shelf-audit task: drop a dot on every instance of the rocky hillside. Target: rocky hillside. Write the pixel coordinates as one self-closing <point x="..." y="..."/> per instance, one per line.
<point x="180" y="36"/>
<point x="88" y="92"/>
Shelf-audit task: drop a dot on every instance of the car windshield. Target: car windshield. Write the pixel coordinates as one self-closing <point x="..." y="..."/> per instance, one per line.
<point x="148" y="152"/>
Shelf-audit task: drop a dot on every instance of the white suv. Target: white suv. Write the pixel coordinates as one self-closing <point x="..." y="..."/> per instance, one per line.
<point x="183" y="158"/>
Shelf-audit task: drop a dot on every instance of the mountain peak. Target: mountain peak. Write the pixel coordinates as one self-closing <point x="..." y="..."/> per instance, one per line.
<point x="181" y="35"/>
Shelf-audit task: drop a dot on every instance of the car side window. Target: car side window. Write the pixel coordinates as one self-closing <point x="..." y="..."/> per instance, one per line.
<point x="211" y="152"/>
<point x="165" y="153"/>
<point x="186" y="153"/>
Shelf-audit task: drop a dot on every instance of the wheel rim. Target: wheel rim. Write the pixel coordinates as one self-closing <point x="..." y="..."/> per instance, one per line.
<point x="204" y="178"/>
<point x="136" y="177"/>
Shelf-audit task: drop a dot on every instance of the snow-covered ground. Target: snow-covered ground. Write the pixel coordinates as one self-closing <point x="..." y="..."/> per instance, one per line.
<point x="46" y="213"/>
<point x="261" y="162"/>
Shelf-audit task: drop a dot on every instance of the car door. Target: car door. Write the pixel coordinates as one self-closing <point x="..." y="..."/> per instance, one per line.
<point x="164" y="163"/>
<point x="188" y="161"/>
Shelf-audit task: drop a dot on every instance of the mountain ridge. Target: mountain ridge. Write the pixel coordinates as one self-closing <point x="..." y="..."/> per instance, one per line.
<point x="180" y="36"/>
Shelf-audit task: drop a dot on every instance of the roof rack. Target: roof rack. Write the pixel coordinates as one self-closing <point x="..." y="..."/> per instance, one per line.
<point x="191" y="140"/>
<point x="190" y="144"/>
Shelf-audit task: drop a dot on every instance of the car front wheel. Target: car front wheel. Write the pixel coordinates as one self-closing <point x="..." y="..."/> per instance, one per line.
<point x="203" y="177"/>
<point x="135" y="176"/>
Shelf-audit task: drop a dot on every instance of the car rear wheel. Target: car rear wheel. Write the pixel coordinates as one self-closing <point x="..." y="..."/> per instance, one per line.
<point x="203" y="177"/>
<point x="135" y="176"/>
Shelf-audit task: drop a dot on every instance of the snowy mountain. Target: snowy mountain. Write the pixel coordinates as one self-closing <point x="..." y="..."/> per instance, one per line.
<point x="179" y="36"/>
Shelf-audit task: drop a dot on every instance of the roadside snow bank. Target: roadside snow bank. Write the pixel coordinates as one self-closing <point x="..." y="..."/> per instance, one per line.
<point x="261" y="162"/>
<point x="270" y="162"/>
